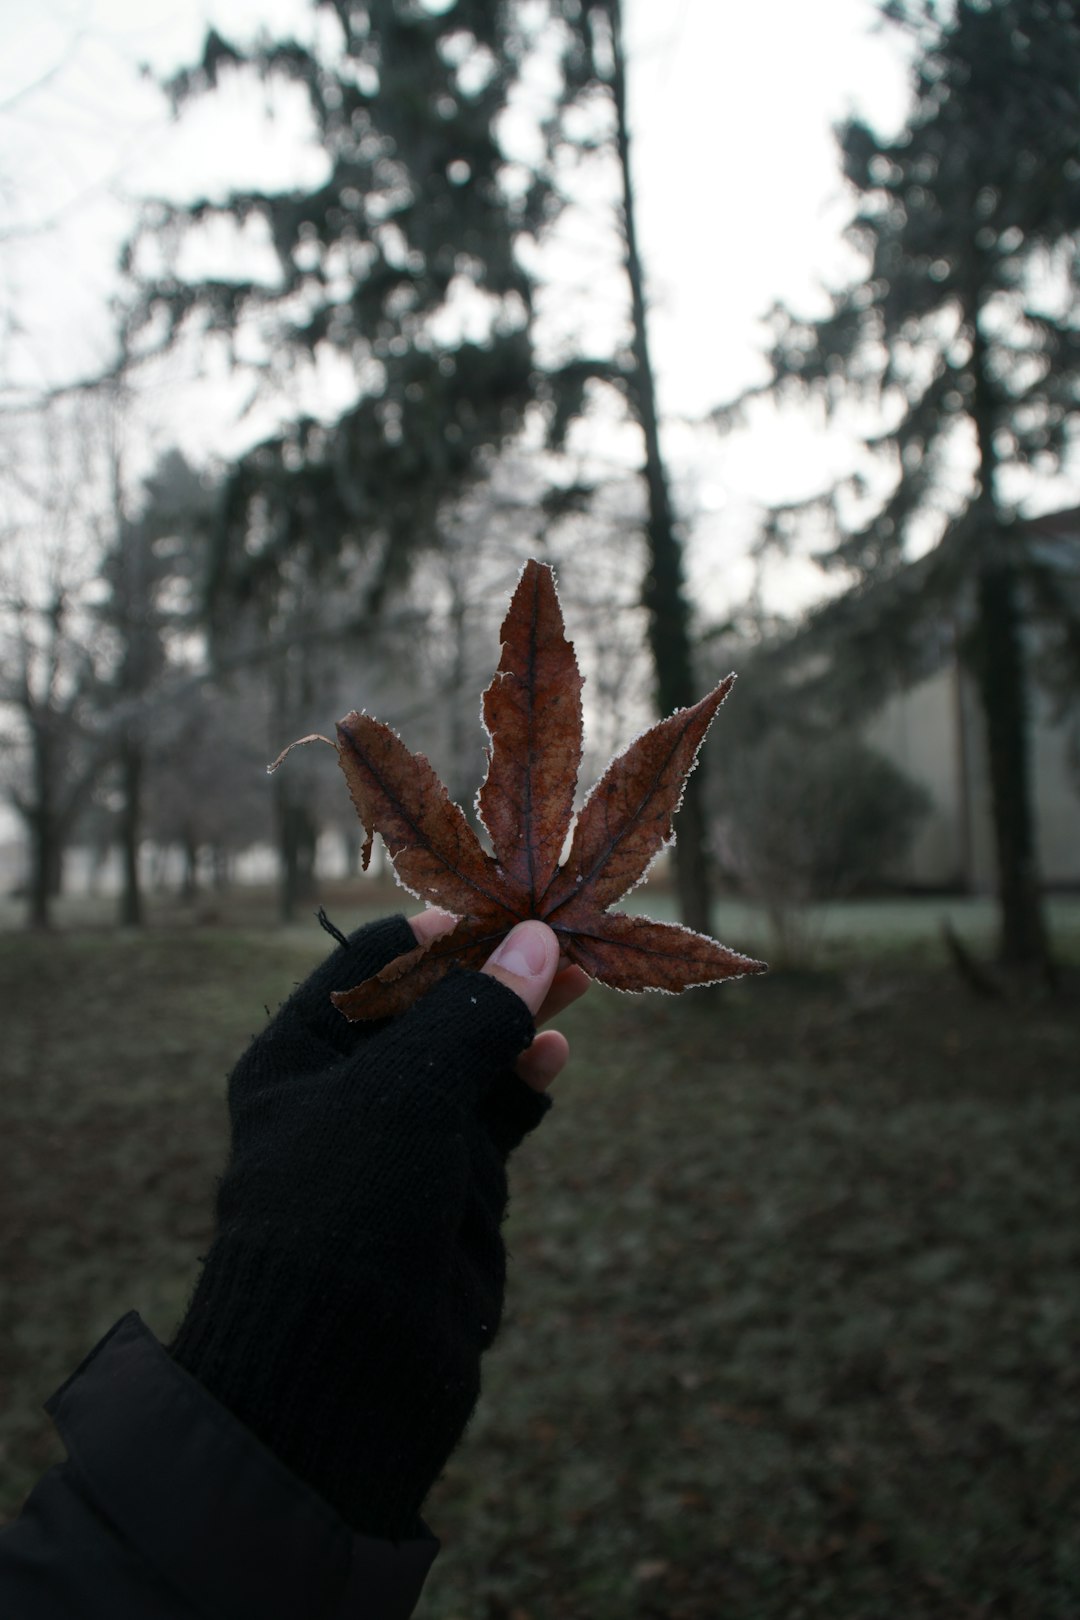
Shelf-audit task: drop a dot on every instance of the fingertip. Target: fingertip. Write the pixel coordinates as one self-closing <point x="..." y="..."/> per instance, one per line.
<point x="568" y="986"/>
<point x="526" y="961"/>
<point x="544" y="1060"/>
<point x="428" y="925"/>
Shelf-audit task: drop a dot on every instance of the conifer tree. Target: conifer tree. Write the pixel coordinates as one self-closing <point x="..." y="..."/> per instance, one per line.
<point x="962" y="330"/>
<point x="404" y="262"/>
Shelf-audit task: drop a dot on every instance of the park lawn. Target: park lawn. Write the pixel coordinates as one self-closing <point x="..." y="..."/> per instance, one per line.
<point x="793" y="1327"/>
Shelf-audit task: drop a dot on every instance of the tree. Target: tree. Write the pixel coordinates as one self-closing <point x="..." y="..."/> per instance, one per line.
<point x="413" y="236"/>
<point x="49" y="677"/>
<point x="150" y="575"/>
<point x="399" y="272"/>
<point x="664" y="594"/>
<point x="812" y="817"/>
<point x="598" y="74"/>
<point x="210" y="798"/>
<point x="98" y="632"/>
<point x="961" y="331"/>
<point x="53" y="745"/>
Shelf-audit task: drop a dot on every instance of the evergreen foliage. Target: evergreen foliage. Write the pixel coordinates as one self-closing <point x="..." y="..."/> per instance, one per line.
<point x="403" y="262"/>
<point x="962" y="333"/>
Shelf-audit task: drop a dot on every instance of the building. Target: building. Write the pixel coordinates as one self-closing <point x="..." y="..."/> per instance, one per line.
<point x="934" y="732"/>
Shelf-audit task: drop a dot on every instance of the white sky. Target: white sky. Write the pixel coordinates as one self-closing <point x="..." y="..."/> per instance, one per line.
<point x="740" y="204"/>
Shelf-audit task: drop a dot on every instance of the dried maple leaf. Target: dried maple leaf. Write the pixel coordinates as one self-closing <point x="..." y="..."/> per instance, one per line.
<point x="532" y="711"/>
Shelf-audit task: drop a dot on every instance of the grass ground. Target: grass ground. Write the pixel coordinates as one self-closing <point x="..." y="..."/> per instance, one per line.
<point x="794" y="1323"/>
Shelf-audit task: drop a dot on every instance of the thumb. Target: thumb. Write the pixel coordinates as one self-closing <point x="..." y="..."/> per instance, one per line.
<point x="526" y="962"/>
<point x="469" y="1029"/>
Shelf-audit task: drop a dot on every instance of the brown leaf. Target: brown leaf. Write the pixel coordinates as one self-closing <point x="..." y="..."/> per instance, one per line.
<point x="469" y="944"/>
<point x="532" y="710"/>
<point x="635" y="953"/>
<point x="435" y="852"/>
<point x="626" y="820"/>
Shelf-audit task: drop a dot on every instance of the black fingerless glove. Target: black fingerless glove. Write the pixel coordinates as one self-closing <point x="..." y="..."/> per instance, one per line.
<point x="358" y="1268"/>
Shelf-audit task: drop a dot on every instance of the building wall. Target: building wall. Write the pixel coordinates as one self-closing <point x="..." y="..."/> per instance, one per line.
<point x="934" y="733"/>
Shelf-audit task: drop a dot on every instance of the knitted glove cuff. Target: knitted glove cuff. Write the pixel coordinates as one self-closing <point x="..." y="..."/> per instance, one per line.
<point x="353" y="1387"/>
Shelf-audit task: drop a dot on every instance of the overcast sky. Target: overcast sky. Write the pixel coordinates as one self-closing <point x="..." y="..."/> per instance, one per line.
<point x="740" y="201"/>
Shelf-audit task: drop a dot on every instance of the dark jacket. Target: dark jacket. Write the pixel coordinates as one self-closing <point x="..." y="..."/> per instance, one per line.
<point x="168" y="1508"/>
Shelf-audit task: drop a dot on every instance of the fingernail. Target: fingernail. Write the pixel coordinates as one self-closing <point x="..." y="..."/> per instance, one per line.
<point x="524" y="951"/>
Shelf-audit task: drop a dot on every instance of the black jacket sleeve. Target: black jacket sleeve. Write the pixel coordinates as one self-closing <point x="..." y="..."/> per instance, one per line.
<point x="168" y="1508"/>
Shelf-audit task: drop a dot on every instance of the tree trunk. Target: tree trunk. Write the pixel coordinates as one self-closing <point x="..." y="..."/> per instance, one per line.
<point x="222" y="869"/>
<point x="663" y="594"/>
<point x="131" y="784"/>
<point x="39" y="814"/>
<point x="354" y="849"/>
<point x="45" y="878"/>
<point x="42" y="864"/>
<point x="296" y="847"/>
<point x="1003" y="691"/>
<point x="55" y="864"/>
<point x="189" y="882"/>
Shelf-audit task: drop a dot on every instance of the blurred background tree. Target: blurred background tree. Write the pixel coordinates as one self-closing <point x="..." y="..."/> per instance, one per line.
<point x="669" y="618"/>
<point x="419" y="422"/>
<point x="58" y="509"/>
<point x="149" y="572"/>
<point x="806" y="817"/>
<point x="402" y="269"/>
<point x="960" y="330"/>
<point x="398" y="273"/>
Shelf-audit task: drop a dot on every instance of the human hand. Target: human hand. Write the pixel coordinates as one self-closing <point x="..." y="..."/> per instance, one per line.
<point x="528" y="963"/>
<point x="358" y="1269"/>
